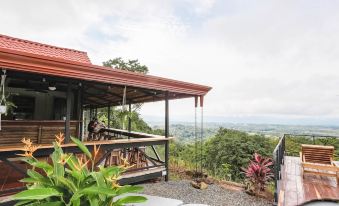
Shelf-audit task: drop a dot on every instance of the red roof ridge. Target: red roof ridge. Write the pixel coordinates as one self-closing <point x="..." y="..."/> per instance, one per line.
<point x="82" y="58"/>
<point x="40" y="44"/>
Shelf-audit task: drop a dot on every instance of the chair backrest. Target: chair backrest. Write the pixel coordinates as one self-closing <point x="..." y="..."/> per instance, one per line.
<point x="317" y="153"/>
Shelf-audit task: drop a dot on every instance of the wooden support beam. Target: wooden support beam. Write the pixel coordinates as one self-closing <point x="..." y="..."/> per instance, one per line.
<point x="80" y="110"/>
<point x="100" y="102"/>
<point x="109" y="116"/>
<point x="68" y="112"/>
<point x="129" y="117"/>
<point x="90" y="113"/>
<point x="167" y="135"/>
<point x="92" y="102"/>
<point x="99" y="96"/>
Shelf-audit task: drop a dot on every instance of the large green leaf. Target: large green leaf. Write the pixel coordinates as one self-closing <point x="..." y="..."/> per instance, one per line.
<point x="67" y="183"/>
<point x="72" y="162"/>
<point x="23" y="202"/>
<point x="81" y="146"/>
<point x="58" y="169"/>
<point x="58" y="203"/>
<point x="111" y="171"/>
<point x="129" y="189"/>
<point x="36" y="194"/>
<point x="98" y="190"/>
<point x="38" y="177"/>
<point x="75" y="202"/>
<point x="30" y="180"/>
<point x="131" y="199"/>
<point x="76" y="197"/>
<point x="99" y="178"/>
<point x="45" y="166"/>
<point x="93" y="200"/>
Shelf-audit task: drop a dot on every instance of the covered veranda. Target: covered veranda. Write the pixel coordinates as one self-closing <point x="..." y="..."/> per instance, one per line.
<point x="52" y="88"/>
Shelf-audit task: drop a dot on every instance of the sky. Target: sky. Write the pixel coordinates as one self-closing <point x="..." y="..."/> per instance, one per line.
<point x="267" y="61"/>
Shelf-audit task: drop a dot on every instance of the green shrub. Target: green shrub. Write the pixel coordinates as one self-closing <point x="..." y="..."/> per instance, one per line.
<point x="235" y="149"/>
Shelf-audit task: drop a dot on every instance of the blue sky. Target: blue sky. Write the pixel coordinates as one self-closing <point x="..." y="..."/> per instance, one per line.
<point x="264" y="59"/>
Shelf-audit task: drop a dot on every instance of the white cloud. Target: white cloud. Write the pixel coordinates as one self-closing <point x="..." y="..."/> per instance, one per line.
<point x="261" y="58"/>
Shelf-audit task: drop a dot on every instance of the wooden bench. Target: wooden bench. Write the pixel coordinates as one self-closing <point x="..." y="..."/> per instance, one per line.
<point x="318" y="160"/>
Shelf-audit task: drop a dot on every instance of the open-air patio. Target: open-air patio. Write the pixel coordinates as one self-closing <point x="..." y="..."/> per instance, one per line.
<point x="57" y="90"/>
<point x="294" y="188"/>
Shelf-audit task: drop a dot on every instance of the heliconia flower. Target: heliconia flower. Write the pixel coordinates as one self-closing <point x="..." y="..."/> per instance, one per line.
<point x="114" y="179"/>
<point x="28" y="148"/>
<point x="27" y="142"/>
<point x="81" y="163"/>
<point x="60" y="139"/>
<point x="64" y="158"/>
<point x="125" y="164"/>
<point x="95" y="151"/>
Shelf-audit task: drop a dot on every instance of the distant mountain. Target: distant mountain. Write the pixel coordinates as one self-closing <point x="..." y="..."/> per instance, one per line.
<point x="185" y="131"/>
<point x="253" y="119"/>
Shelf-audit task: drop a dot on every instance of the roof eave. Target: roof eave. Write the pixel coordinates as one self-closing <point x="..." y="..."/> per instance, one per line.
<point x="27" y="62"/>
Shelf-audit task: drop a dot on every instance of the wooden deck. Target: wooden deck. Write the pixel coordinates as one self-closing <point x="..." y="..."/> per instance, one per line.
<point x="294" y="190"/>
<point x="12" y="169"/>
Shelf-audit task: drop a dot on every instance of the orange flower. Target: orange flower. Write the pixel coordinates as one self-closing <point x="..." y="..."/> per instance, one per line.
<point x="60" y="139"/>
<point x="125" y="164"/>
<point x="95" y="151"/>
<point x="81" y="163"/>
<point x="29" y="148"/>
<point x="27" y="142"/>
<point x="64" y="158"/>
<point x="114" y="180"/>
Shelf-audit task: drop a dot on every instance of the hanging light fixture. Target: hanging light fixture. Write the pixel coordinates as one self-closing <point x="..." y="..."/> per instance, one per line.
<point x="51" y="86"/>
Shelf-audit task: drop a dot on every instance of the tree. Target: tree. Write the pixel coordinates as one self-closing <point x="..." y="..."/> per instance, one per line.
<point x="119" y="117"/>
<point x="129" y="65"/>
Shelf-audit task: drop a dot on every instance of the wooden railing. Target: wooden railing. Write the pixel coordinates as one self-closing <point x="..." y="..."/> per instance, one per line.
<point x="40" y="132"/>
<point x="278" y="160"/>
<point x="119" y="133"/>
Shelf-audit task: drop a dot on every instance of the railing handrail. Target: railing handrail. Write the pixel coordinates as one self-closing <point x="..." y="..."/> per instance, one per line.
<point x="312" y="135"/>
<point x="131" y="133"/>
<point x="279" y="143"/>
<point x="278" y="159"/>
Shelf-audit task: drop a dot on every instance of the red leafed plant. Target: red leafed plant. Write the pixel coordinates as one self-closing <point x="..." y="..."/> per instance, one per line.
<point x="258" y="173"/>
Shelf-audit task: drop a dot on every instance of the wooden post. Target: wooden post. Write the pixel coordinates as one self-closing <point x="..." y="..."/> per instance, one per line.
<point x="68" y="113"/>
<point x="109" y="116"/>
<point x="166" y="135"/>
<point x="196" y="133"/>
<point x="39" y="134"/>
<point x="129" y="117"/>
<point x="81" y="115"/>
<point x="202" y="129"/>
<point x="90" y="113"/>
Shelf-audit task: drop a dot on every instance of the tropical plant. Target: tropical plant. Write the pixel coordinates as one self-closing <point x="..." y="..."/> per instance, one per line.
<point x="258" y="173"/>
<point x="73" y="180"/>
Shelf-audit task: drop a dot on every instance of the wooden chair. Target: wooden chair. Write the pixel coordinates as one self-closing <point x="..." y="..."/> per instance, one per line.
<point x="114" y="158"/>
<point x="318" y="160"/>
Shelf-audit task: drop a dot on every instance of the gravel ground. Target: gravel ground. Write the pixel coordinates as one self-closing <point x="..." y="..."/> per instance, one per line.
<point x="214" y="195"/>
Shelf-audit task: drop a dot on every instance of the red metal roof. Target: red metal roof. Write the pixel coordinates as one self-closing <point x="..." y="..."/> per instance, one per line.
<point x="28" y="60"/>
<point x="31" y="47"/>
